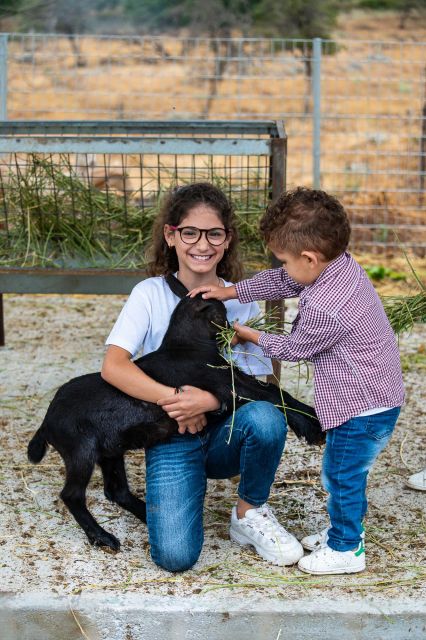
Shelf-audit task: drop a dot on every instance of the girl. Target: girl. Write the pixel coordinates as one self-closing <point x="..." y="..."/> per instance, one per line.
<point x="195" y="238"/>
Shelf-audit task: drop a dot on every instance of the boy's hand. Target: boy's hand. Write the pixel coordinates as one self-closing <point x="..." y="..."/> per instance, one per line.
<point x="212" y="291"/>
<point x="246" y="334"/>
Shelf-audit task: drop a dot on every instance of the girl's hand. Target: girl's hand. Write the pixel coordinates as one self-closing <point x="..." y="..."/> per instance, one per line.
<point x="246" y="334"/>
<point x="189" y="407"/>
<point x="213" y="291"/>
<point x="193" y="425"/>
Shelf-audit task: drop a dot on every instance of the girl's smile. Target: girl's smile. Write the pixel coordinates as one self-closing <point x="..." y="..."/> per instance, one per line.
<point x="203" y="258"/>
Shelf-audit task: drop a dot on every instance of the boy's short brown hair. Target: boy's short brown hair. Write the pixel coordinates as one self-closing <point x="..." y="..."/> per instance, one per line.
<point x="306" y="220"/>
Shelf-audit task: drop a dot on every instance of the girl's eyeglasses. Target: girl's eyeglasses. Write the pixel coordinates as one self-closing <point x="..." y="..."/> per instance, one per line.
<point x="191" y="235"/>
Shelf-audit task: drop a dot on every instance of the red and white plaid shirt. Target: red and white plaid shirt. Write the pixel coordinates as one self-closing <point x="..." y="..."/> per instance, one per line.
<point x="343" y="330"/>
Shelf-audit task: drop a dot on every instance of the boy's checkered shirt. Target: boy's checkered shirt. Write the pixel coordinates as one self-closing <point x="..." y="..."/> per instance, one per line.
<point x="343" y="330"/>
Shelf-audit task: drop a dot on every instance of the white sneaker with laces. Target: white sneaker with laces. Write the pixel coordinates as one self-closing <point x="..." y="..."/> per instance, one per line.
<point x="317" y="540"/>
<point x="417" y="481"/>
<point x="260" y="528"/>
<point x="326" y="561"/>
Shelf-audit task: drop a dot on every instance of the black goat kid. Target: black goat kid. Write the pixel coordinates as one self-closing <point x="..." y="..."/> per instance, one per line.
<point x="89" y="421"/>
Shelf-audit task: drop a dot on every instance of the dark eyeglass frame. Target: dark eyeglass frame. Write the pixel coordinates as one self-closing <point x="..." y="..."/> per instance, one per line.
<point x="200" y="233"/>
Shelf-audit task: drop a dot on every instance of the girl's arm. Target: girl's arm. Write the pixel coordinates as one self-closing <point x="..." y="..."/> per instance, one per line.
<point x="186" y="408"/>
<point x="119" y="370"/>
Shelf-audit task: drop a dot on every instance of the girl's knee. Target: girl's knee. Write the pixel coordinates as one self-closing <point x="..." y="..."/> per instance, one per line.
<point x="266" y="421"/>
<point x="174" y="559"/>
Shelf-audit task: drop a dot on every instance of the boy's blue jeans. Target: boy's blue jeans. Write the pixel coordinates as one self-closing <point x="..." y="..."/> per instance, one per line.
<point x="350" y="452"/>
<point x="177" y="472"/>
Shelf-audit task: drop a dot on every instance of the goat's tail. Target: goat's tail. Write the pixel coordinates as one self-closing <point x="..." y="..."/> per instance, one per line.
<point x="37" y="446"/>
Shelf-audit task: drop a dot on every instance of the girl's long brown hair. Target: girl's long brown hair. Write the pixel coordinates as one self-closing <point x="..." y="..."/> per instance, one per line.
<point x="162" y="259"/>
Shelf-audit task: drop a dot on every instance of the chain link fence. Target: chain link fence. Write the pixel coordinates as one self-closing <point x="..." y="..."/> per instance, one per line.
<point x="355" y="111"/>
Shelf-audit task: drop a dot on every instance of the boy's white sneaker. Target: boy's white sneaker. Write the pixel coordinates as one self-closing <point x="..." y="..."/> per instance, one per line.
<point x="318" y="540"/>
<point x="417" y="481"/>
<point x="326" y="561"/>
<point x="260" y="528"/>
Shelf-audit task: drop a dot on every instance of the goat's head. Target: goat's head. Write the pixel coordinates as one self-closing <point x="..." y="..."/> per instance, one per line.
<point x="195" y="320"/>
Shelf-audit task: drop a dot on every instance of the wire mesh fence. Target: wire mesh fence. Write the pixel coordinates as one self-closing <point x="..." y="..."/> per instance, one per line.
<point x="355" y="111"/>
<point x="373" y="138"/>
<point x="86" y="194"/>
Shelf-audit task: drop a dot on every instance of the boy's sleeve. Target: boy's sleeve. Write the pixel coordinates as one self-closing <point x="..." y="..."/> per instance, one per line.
<point x="317" y="332"/>
<point x="272" y="284"/>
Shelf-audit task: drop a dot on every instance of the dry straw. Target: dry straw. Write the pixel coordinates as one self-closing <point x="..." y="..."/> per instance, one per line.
<point x="268" y="322"/>
<point x="52" y="216"/>
<point x="404" y="311"/>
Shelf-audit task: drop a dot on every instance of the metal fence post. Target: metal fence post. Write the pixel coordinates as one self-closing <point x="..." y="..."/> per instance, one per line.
<point x="316" y="112"/>
<point x="3" y="76"/>
<point x="3" y="116"/>
<point x="278" y="166"/>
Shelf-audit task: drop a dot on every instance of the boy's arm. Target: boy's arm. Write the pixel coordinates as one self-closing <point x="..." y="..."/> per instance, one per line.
<point x="272" y="284"/>
<point x="316" y="333"/>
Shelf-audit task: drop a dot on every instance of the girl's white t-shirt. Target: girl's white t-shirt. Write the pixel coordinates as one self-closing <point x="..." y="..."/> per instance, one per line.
<point x="144" y="319"/>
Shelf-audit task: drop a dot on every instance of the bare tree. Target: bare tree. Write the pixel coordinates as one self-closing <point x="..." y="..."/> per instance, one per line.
<point x="298" y="19"/>
<point x="409" y="8"/>
<point x="216" y="19"/>
<point x="69" y="17"/>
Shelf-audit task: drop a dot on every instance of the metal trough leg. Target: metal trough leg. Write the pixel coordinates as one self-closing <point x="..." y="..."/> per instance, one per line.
<point x="2" y="343"/>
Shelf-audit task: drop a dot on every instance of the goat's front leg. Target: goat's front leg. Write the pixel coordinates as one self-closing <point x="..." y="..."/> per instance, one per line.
<point x="117" y="489"/>
<point x="78" y="473"/>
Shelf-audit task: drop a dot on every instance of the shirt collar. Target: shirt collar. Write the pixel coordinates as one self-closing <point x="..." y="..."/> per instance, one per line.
<point x="331" y="270"/>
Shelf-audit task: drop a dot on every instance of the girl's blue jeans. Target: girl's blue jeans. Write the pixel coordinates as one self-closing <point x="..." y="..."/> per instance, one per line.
<point x="177" y="472"/>
<point x="350" y="452"/>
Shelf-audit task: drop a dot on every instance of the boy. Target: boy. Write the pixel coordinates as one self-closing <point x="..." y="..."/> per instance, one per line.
<point x="343" y="330"/>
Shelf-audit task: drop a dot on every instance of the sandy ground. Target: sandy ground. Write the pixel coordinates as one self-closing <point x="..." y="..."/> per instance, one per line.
<point x="53" y="338"/>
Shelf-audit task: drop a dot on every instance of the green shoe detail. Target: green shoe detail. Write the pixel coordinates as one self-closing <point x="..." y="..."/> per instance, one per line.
<point x="360" y="550"/>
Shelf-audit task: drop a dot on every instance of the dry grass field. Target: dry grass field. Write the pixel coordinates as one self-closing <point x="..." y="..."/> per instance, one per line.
<point x="168" y="78"/>
<point x="373" y="89"/>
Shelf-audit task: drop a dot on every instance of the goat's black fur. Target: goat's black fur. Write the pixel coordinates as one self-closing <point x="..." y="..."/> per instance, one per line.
<point x="89" y="421"/>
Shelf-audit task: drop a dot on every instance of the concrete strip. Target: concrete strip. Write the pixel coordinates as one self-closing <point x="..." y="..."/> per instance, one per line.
<point x="113" y="616"/>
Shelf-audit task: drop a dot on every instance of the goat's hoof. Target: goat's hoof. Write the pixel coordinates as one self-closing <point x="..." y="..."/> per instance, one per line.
<point x="107" y="540"/>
